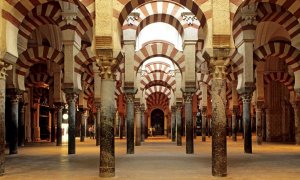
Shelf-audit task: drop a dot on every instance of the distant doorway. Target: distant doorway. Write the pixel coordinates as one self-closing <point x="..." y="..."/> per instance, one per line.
<point x="157" y="122"/>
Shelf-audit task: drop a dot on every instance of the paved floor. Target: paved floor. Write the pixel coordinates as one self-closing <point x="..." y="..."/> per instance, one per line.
<point x="156" y="159"/>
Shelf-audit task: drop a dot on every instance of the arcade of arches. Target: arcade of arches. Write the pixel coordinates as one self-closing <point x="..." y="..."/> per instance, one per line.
<point x="134" y="68"/>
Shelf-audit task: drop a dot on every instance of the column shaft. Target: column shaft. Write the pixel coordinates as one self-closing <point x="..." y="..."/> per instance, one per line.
<point x="297" y="122"/>
<point x="259" y="137"/>
<point x="82" y="125"/>
<point x="234" y="124"/>
<point x="52" y="125"/>
<point x="58" y="128"/>
<point x="13" y="143"/>
<point x="203" y="131"/>
<point x="138" y="125"/>
<point x="173" y="123"/>
<point x="130" y="122"/>
<point x="98" y="126"/>
<point x="2" y="125"/>
<point x="189" y="123"/>
<point x="143" y="122"/>
<point x="71" y="97"/>
<point x="21" y="138"/>
<point x="107" y="139"/>
<point x="179" y="124"/>
<point x="247" y="123"/>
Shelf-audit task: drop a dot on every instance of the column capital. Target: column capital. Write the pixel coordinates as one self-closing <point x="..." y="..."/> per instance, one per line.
<point x="3" y="68"/>
<point x="173" y="108"/>
<point x="108" y="61"/>
<point x="246" y="97"/>
<point x="69" y="12"/>
<point x="71" y="96"/>
<point x="14" y="94"/>
<point x="143" y="108"/>
<point x="249" y="14"/>
<point x="98" y="105"/>
<point x="59" y="106"/>
<point x="204" y="110"/>
<point x="178" y="106"/>
<point x="259" y="104"/>
<point x="188" y="93"/>
<point x="130" y="94"/>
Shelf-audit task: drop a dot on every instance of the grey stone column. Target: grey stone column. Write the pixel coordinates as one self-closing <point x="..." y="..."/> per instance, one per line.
<point x="188" y="96"/>
<point x="130" y="93"/>
<point x="173" y="123"/>
<point x="59" y="108"/>
<point x="107" y="120"/>
<point x="2" y="118"/>
<point x="98" y="126"/>
<point x="21" y="137"/>
<point x="178" y="123"/>
<point x="138" y="124"/>
<point x="143" y="122"/>
<point x="259" y="136"/>
<point x="247" y="122"/>
<point x="14" y="104"/>
<point x="52" y="110"/>
<point x="71" y="98"/>
<point x="204" y="118"/>
<point x="296" y="106"/>
<point x="218" y="125"/>
<point x="234" y="123"/>
<point x="82" y="125"/>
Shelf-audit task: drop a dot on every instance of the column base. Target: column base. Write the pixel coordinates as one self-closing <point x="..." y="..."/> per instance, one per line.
<point x="12" y="152"/>
<point x="219" y="174"/>
<point x="106" y="172"/>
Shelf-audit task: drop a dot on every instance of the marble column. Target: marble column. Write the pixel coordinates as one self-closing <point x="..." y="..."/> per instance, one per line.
<point x="296" y="106"/>
<point x="143" y="122"/>
<point x="188" y="96"/>
<point x="130" y="93"/>
<point x="122" y="124"/>
<point x="2" y="117"/>
<point x="59" y="108"/>
<point x="82" y="124"/>
<point x="229" y="121"/>
<point x="234" y="123"/>
<point x="259" y="137"/>
<point x="14" y="104"/>
<point x="218" y="125"/>
<point x="71" y="99"/>
<point x="98" y="126"/>
<point x="138" y="124"/>
<point x="178" y="123"/>
<point x="107" y="139"/>
<point x="204" y="118"/>
<point x="173" y="123"/>
<point x="21" y="133"/>
<point x="247" y="122"/>
<point x="52" y="110"/>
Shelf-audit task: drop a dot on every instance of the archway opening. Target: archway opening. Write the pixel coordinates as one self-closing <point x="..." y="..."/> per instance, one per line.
<point x="157" y="122"/>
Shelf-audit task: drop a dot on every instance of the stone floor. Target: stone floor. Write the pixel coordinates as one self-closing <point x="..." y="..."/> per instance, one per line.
<point x="157" y="159"/>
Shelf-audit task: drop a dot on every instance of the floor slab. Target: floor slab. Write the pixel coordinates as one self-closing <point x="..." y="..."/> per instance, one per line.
<point x="157" y="158"/>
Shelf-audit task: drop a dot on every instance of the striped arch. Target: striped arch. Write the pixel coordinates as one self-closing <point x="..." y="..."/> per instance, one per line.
<point x="205" y="78"/>
<point x="285" y="13"/>
<point x="158" y="78"/>
<point x="157" y="89"/>
<point x="159" y="50"/>
<point x="282" y="77"/>
<point x="157" y="66"/>
<point x="125" y="7"/>
<point x="39" y="80"/>
<point x="157" y="100"/>
<point x="281" y="50"/>
<point x="83" y="59"/>
<point x="17" y="11"/>
<point x="36" y="55"/>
